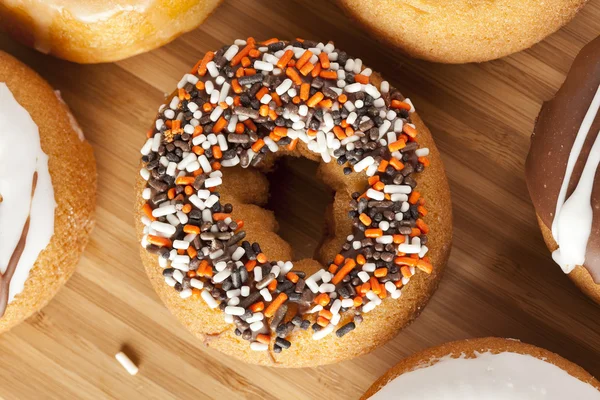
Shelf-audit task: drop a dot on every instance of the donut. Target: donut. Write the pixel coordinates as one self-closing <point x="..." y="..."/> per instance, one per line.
<point x="461" y="31"/>
<point x="486" y="368"/>
<point x="211" y="251"/>
<point x="95" y="31"/>
<point x="561" y="172"/>
<point x="47" y="192"/>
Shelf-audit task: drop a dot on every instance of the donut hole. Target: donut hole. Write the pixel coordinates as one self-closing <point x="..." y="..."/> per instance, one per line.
<point x="299" y="200"/>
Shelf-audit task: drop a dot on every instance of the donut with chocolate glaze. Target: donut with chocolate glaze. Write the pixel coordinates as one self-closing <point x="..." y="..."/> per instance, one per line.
<point x="212" y="252"/>
<point x="571" y="119"/>
<point x="95" y="31"/>
<point x="47" y="192"/>
<point x="461" y="31"/>
<point x="486" y="368"/>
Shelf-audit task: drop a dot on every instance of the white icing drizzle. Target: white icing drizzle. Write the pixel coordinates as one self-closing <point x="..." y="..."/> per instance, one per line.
<point x="573" y="217"/>
<point x="20" y="157"/>
<point x="72" y="120"/>
<point x="488" y="376"/>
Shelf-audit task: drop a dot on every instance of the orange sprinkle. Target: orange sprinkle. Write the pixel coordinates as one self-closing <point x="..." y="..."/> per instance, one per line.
<point x="261" y="258"/>
<point x="184" y="180"/>
<point x="242" y="53"/>
<point x="398" y="239"/>
<point x="262" y="92"/>
<point x="274" y="306"/>
<point x="306" y="68"/>
<point x="361" y="260"/>
<point x="217" y="153"/>
<point x="285" y="58"/>
<point x="425" y="266"/>
<point x="397" y="164"/>
<point x="304" y="59"/>
<point x="256" y="307"/>
<point x="189" y="190"/>
<point x="192" y="252"/>
<point x="304" y="91"/>
<point x="365" y="219"/>
<point x="339" y="132"/>
<point x="293" y="75"/>
<point x="293" y="144"/>
<point x="159" y="241"/>
<point x="256" y="146"/>
<point x="200" y="67"/>
<point x="315" y="99"/>
<point x="400" y="104"/>
<point x="380" y="272"/>
<point x="191" y="229"/>
<point x="338" y="259"/>
<point x="424" y="161"/>
<point x="250" y="264"/>
<point x="280" y="131"/>
<point x="262" y="338"/>
<point x="409" y="130"/>
<point x="414" y="197"/>
<point x="422" y="210"/>
<point x="186" y="208"/>
<point x="422" y="226"/>
<point x="324" y="59"/>
<point x="325" y="314"/>
<point x="345" y="270"/>
<point x="328" y="74"/>
<point x="322" y="321"/>
<point x="316" y="71"/>
<point x="373" y="233"/>
<point x="221" y="216"/>
<point x="358" y="301"/>
<point x="361" y="79"/>
<point x="292" y="277"/>
<point x="342" y="98"/>
<point x="397" y="145"/>
<point x="322" y="299"/>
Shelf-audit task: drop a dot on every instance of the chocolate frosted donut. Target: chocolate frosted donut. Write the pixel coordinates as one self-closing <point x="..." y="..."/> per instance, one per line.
<point x="47" y="192"/>
<point x="486" y="368"/>
<point x="212" y="253"/>
<point x="561" y="171"/>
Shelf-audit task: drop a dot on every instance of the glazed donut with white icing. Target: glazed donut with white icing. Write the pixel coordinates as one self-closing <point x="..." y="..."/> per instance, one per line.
<point x="562" y="172"/>
<point x="94" y="31"/>
<point x="487" y="368"/>
<point x="212" y="253"/>
<point x="47" y="192"/>
<point x="461" y="31"/>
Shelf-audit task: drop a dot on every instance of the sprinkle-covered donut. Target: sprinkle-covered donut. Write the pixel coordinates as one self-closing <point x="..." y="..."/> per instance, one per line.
<point x="239" y="109"/>
<point x="562" y="172"/>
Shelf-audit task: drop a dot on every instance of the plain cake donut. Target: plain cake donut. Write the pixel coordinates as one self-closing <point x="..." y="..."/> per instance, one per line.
<point x="487" y="368"/>
<point x="211" y="251"/>
<point x="460" y="31"/>
<point x="94" y="31"/>
<point x="47" y="192"/>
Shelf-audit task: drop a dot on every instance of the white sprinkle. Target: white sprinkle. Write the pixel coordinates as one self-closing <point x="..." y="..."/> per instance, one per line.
<point x="375" y="194"/>
<point x="145" y="173"/>
<point x="284" y="86"/>
<point x="384" y="87"/>
<point x="245" y="291"/>
<point x="257" y="346"/>
<point x="266" y="294"/>
<point x="195" y="200"/>
<point x="263" y="66"/>
<point x="256" y="326"/>
<point x="390" y="287"/>
<point x="196" y="283"/>
<point x="126" y="363"/>
<point x="364" y="163"/>
<point x="327" y="288"/>
<point x="265" y="99"/>
<point x="147" y="194"/>
<point x="207" y="297"/>
<point x="368" y="307"/>
<point x="221" y="276"/>
<point x="204" y="163"/>
<point x="163" y="227"/>
<point x="180" y="244"/>
<point x="363" y="276"/>
<point x="424" y="152"/>
<point x="353" y="87"/>
<point x="238" y="253"/>
<point x="232" y="310"/>
<point x="212" y="182"/>
<point x="372" y="91"/>
<point x="255" y="318"/>
<point x="403" y="189"/>
<point x="209" y="87"/>
<point x="168" y="280"/>
<point x="369" y="267"/>
<point x="396" y="294"/>
<point x="185" y="293"/>
<point x="347" y="303"/>
<point x="323" y="332"/>
<point x="231" y="52"/>
<point x="412" y="107"/>
<point x="212" y="69"/>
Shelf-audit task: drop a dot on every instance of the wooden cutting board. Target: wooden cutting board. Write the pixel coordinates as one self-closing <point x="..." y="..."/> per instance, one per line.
<point x="501" y="280"/>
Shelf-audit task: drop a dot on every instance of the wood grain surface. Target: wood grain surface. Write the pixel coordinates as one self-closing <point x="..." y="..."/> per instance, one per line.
<point x="501" y="280"/>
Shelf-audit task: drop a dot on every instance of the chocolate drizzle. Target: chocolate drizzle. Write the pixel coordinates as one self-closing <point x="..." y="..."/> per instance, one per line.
<point x="15" y="257"/>
<point x="555" y="131"/>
